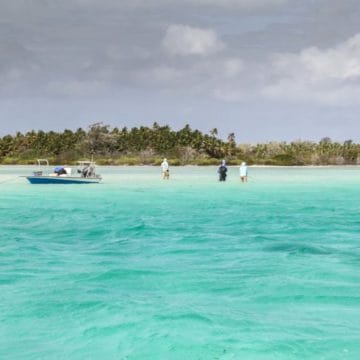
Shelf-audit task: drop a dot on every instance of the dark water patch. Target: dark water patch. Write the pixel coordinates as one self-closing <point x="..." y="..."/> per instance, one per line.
<point x="308" y="208"/>
<point x="15" y="278"/>
<point x="8" y="280"/>
<point x="182" y="252"/>
<point x="187" y="316"/>
<point x="100" y="331"/>
<point x="262" y="238"/>
<point x="114" y="252"/>
<point x="143" y="228"/>
<point x="294" y="248"/>
<point x="44" y="309"/>
<point x="121" y="274"/>
<point x="329" y="299"/>
<point x="201" y="237"/>
<point x="137" y="227"/>
<point x="227" y="290"/>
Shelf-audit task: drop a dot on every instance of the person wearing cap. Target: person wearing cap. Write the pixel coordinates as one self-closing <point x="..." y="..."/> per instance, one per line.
<point x="222" y="170"/>
<point x="165" y="170"/>
<point x="243" y="172"/>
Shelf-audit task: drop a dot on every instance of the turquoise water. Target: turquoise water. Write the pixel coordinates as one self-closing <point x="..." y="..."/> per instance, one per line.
<point x="138" y="268"/>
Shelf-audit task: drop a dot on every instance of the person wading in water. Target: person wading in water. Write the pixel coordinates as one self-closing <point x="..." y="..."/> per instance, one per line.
<point x="165" y="170"/>
<point x="243" y="172"/>
<point x="222" y="170"/>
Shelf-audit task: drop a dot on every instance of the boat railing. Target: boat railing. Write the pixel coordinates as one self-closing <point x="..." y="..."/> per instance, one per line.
<point x="41" y="164"/>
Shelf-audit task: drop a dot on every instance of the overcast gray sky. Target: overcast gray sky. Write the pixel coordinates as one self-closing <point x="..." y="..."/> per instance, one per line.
<point x="265" y="69"/>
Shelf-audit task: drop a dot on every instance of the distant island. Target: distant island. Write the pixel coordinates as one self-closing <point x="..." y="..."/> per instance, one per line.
<point x="148" y="145"/>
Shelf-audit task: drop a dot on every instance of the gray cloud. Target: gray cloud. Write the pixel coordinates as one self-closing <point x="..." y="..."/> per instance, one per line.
<point x="186" y="40"/>
<point x="330" y="76"/>
<point x="225" y="54"/>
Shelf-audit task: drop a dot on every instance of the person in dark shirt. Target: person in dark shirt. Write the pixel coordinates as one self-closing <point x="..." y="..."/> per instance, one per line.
<point x="222" y="170"/>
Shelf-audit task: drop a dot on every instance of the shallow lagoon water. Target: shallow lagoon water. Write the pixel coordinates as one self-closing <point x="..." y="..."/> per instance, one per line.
<point x="139" y="268"/>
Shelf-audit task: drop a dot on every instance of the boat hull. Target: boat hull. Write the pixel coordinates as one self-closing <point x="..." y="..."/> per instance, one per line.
<point x="61" y="180"/>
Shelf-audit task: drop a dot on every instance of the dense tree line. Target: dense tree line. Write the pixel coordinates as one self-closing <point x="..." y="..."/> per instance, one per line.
<point x="147" y="145"/>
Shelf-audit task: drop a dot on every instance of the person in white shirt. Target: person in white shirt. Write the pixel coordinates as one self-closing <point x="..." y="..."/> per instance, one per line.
<point x="165" y="170"/>
<point x="243" y="172"/>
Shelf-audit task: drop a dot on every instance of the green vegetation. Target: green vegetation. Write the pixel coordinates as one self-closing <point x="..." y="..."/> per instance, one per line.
<point x="148" y="145"/>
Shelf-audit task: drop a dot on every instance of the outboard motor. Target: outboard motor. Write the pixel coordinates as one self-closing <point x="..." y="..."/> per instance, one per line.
<point x="85" y="171"/>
